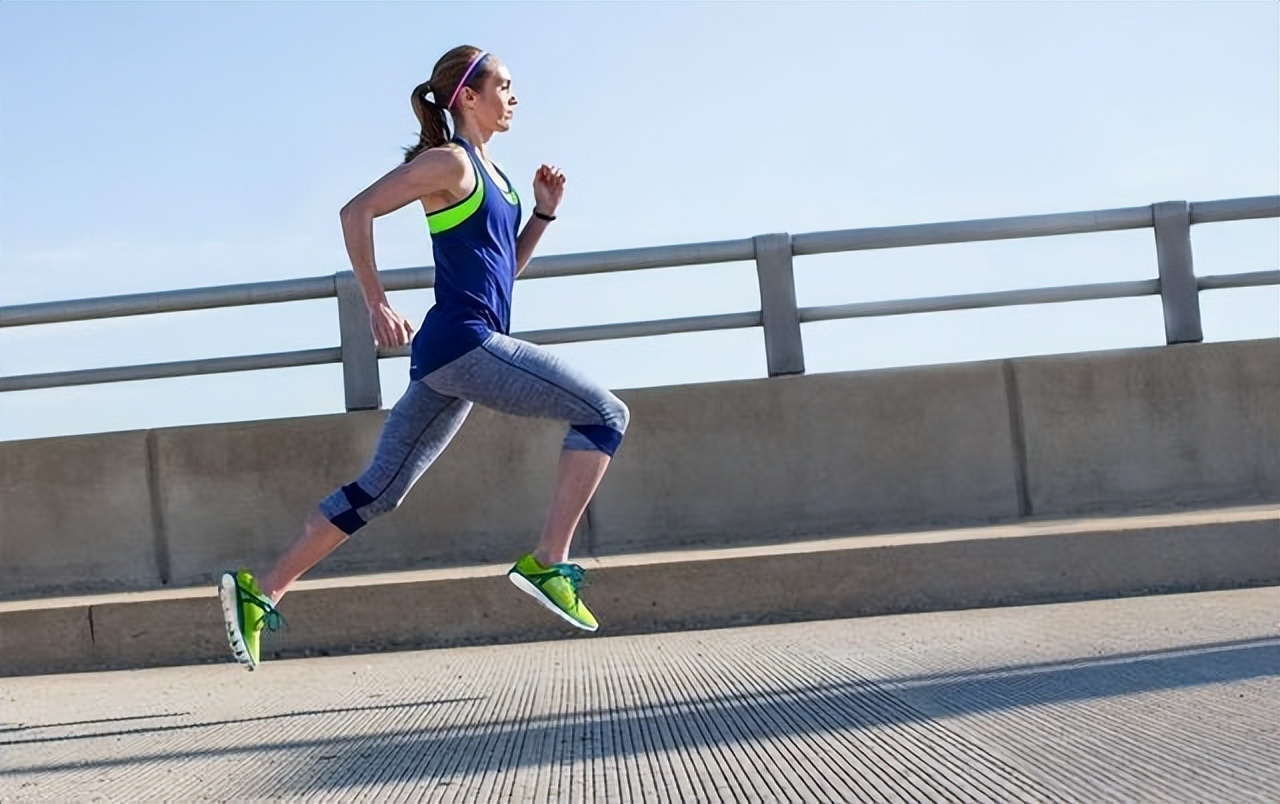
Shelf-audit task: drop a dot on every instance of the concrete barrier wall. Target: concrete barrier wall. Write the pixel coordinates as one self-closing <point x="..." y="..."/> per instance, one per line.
<point x="794" y="456"/>
<point x="715" y="464"/>
<point x="1187" y="423"/>
<point x="76" y="512"/>
<point x="237" y="494"/>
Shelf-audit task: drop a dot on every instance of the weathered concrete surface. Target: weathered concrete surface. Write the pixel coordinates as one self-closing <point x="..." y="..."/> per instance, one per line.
<point x="34" y="640"/>
<point x="75" y="510"/>
<point x="764" y="460"/>
<point x="1115" y="430"/>
<point x="829" y="578"/>
<point x="1165" y="698"/>
<point x="807" y="455"/>
<point x="236" y="495"/>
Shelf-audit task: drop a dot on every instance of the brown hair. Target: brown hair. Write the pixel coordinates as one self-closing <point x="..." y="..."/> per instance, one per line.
<point x="445" y="77"/>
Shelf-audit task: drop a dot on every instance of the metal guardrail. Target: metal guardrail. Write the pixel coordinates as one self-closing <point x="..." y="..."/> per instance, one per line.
<point x="773" y="254"/>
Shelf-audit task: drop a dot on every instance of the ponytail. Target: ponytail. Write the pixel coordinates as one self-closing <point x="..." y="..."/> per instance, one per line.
<point x="432" y="119"/>
<point x="452" y="71"/>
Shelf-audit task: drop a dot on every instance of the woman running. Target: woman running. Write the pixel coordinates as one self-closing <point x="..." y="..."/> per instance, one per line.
<point x="461" y="354"/>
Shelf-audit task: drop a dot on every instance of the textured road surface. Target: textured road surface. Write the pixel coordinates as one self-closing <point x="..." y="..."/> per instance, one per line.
<point x="1170" y="698"/>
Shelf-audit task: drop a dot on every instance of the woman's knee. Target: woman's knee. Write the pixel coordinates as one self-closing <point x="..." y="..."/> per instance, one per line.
<point x="619" y="414"/>
<point x="604" y="435"/>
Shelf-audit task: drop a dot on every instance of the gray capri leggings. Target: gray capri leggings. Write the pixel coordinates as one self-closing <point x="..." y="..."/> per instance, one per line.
<point x="503" y="373"/>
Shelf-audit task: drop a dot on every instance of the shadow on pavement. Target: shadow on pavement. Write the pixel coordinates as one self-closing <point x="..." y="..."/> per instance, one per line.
<point x="209" y="723"/>
<point x="847" y="702"/>
<point x="30" y="726"/>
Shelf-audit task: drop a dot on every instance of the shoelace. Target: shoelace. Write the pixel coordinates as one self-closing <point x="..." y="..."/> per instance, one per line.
<point x="574" y="573"/>
<point x="272" y="619"/>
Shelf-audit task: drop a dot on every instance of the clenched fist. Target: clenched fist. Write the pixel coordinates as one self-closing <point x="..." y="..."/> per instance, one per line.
<point x="389" y="327"/>
<point x="548" y="189"/>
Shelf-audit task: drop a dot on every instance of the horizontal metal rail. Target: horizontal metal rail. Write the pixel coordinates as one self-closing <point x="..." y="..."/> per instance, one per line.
<point x="1236" y="209"/>
<point x="179" y="368"/>
<point x="320" y="287"/>
<point x="628" y="329"/>
<point x="311" y="357"/>
<point x="1252" y="279"/>
<point x="642" y="329"/>
<point x="596" y="262"/>
<point x="784" y="247"/>
<point x="639" y="259"/>
<point x="169" y="301"/>
<point x="932" y="234"/>
<point x="971" y="301"/>
<point x="287" y="290"/>
<point x="408" y="278"/>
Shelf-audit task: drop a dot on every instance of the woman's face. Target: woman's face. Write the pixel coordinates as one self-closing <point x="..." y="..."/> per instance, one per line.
<point x="495" y="103"/>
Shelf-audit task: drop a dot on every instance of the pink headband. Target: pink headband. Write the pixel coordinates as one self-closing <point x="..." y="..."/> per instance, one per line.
<point x="470" y="67"/>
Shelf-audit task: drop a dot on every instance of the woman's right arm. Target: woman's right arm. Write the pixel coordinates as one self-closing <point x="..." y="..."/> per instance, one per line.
<point x="441" y="170"/>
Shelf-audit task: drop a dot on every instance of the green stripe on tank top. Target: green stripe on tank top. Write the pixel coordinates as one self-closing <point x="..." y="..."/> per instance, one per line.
<point x="446" y="219"/>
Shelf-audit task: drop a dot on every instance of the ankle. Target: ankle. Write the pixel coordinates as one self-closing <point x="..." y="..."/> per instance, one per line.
<point x="270" y="590"/>
<point x="548" y="559"/>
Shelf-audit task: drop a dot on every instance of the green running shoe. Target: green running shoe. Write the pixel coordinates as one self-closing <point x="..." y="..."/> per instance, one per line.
<point x="556" y="588"/>
<point x="246" y="611"/>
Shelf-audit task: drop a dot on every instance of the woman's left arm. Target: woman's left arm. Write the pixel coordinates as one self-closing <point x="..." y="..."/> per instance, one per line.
<point x="548" y="189"/>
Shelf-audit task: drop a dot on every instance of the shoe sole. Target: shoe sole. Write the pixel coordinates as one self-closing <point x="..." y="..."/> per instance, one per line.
<point x="532" y="591"/>
<point x="229" y="598"/>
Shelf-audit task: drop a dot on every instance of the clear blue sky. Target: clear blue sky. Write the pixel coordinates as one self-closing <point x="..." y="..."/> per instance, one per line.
<point x="153" y="146"/>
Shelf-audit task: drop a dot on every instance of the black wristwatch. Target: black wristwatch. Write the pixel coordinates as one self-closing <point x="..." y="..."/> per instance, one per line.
<point x="541" y="217"/>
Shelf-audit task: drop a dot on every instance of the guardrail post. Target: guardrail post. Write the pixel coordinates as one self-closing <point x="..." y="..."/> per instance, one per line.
<point x="784" y="349"/>
<point x="359" y="352"/>
<point x="1178" y="292"/>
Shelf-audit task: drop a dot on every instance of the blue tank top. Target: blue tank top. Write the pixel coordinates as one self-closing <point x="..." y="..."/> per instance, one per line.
<point x="474" y="244"/>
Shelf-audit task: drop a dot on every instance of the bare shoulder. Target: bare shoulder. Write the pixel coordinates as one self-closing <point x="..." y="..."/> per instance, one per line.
<point x="443" y="175"/>
<point x="432" y="177"/>
<point x="444" y="164"/>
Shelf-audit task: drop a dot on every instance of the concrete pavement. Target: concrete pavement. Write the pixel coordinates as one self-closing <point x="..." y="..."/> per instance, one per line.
<point x="1162" y="698"/>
